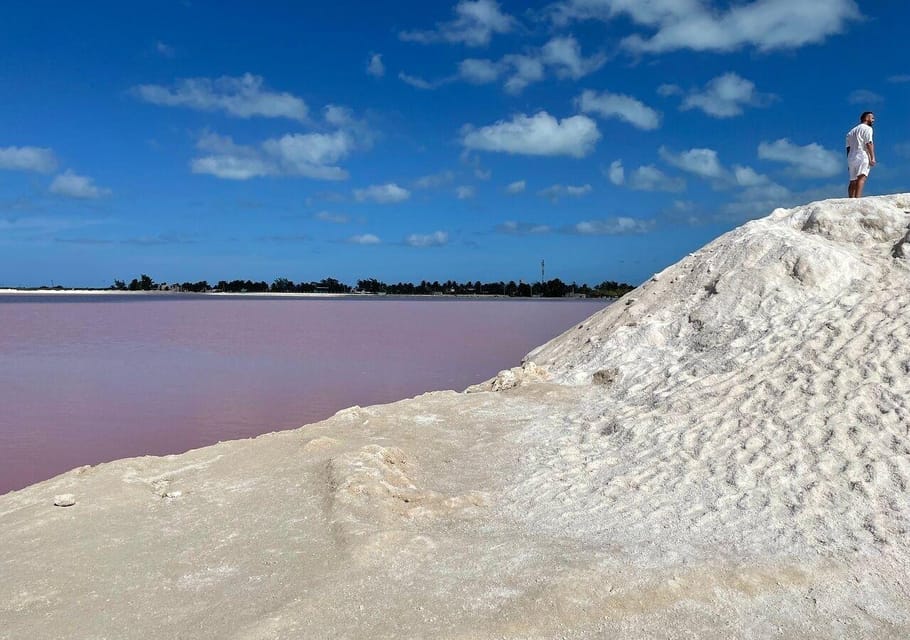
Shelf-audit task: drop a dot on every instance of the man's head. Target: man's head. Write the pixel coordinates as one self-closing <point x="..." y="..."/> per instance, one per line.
<point x="867" y="118"/>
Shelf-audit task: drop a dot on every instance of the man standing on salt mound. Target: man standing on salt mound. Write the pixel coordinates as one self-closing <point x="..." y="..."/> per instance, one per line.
<point x="860" y="154"/>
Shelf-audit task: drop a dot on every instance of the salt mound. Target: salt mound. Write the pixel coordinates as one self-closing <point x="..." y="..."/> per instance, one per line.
<point x="754" y="395"/>
<point x="751" y="283"/>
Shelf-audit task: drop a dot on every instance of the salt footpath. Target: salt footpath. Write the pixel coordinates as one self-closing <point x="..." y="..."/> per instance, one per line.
<point x="724" y="452"/>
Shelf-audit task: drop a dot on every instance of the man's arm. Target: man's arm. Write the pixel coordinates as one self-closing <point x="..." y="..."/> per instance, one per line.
<point x="870" y="149"/>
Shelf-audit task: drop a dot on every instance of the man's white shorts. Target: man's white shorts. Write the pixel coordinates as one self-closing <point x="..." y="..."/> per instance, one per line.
<point x="858" y="167"/>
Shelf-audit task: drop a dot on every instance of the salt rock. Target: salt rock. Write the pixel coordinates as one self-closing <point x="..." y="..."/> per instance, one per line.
<point x="64" y="500"/>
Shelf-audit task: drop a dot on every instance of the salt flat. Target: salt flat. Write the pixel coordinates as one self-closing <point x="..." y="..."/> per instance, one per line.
<point x="725" y="452"/>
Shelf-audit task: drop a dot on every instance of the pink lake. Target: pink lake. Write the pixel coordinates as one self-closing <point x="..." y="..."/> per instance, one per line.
<point x="88" y="379"/>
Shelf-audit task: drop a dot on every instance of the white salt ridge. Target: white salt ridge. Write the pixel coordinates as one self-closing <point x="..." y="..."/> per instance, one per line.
<point x="722" y="453"/>
<point x="760" y="395"/>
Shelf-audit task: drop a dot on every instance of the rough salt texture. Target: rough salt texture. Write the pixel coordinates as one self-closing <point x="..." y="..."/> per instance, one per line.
<point x="724" y="452"/>
<point x="760" y="393"/>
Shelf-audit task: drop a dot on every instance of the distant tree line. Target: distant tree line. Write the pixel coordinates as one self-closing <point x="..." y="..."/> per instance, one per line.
<point x="554" y="288"/>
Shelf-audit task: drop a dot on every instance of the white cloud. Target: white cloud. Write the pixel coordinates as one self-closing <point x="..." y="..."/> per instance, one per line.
<point x="696" y="24"/>
<point x="417" y="83"/>
<point x="645" y="178"/>
<point x="464" y="192"/>
<point x="474" y="25"/>
<point x="725" y="96"/>
<point x="72" y="185"/>
<point x="366" y="238"/>
<point x="579" y="190"/>
<point x="612" y="227"/>
<point x="614" y="105"/>
<point x="479" y="71"/>
<point x="343" y="118"/>
<point x="334" y="218"/>
<point x="525" y="70"/>
<point x="382" y="193"/>
<point x="649" y="13"/>
<point x="616" y="173"/>
<point x="704" y="163"/>
<point x="375" y="67"/>
<point x="232" y="167"/>
<point x="229" y="160"/>
<point x="748" y="177"/>
<point x="757" y="191"/>
<point x="650" y="178"/>
<point x="561" y="56"/>
<point x="338" y="116"/>
<point x="523" y="228"/>
<point x="564" y="54"/>
<point x="436" y="239"/>
<point x="556" y="191"/>
<point x="701" y="162"/>
<point x="434" y="180"/>
<point x="864" y="96"/>
<point x="37" y="159"/>
<point x="309" y="155"/>
<point x="483" y="174"/>
<point x="811" y="160"/>
<point x="666" y="90"/>
<point x="516" y="187"/>
<point x="538" y="135"/>
<point x="242" y="97"/>
<point x="899" y="78"/>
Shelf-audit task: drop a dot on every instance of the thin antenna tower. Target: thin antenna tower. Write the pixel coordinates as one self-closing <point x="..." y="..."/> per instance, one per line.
<point x="542" y="279"/>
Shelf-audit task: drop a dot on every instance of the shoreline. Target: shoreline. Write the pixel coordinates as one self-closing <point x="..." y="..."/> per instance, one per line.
<point x="270" y="294"/>
<point x="105" y="292"/>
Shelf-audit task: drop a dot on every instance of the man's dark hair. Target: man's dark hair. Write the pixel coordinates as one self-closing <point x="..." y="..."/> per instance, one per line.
<point x="865" y="113"/>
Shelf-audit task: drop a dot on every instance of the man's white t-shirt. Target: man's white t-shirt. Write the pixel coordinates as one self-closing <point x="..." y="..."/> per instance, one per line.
<point x="857" y="139"/>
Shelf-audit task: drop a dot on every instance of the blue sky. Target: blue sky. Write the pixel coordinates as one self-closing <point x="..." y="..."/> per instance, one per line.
<point x="426" y="140"/>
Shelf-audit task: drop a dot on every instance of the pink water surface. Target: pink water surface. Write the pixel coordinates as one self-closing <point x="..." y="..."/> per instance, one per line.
<point x="88" y="379"/>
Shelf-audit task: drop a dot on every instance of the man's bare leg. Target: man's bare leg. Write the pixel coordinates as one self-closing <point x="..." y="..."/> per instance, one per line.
<point x="851" y="189"/>
<point x="860" y="183"/>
